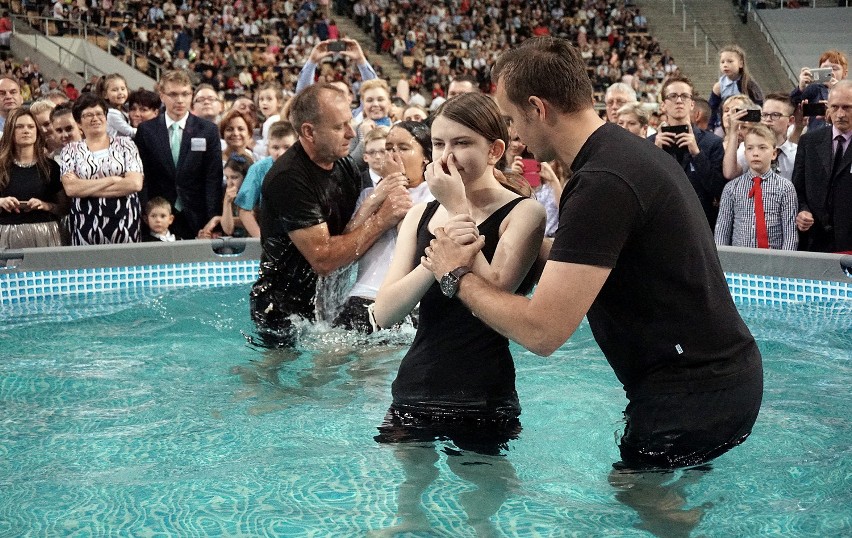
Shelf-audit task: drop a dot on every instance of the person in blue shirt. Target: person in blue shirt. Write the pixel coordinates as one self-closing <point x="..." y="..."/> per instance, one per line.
<point x="281" y="137"/>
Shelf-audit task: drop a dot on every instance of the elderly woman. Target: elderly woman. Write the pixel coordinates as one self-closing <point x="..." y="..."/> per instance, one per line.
<point x="634" y="118"/>
<point x="103" y="176"/>
<point x="31" y="196"/>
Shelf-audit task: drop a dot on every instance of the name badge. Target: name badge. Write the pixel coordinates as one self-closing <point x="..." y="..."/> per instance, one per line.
<point x="198" y="144"/>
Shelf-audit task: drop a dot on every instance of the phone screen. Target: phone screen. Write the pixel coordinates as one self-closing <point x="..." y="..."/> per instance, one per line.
<point x="532" y="171"/>
<point x="676" y="129"/>
<point x="814" y="109"/>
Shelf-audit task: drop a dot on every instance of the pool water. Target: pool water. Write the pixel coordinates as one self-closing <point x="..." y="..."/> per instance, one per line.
<point x="154" y="417"/>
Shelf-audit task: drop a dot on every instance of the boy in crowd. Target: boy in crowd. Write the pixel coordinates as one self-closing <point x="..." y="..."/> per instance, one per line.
<point x="281" y="137"/>
<point x="374" y="155"/>
<point x="758" y="209"/>
<point x="158" y="217"/>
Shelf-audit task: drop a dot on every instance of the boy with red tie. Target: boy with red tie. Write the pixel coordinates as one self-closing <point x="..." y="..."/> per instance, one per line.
<point x="758" y="209"/>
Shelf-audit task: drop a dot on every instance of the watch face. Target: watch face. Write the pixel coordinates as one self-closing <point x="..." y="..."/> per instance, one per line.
<point x="449" y="284"/>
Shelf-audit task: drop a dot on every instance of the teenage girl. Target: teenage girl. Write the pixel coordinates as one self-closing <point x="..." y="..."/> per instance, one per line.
<point x="113" y="89"/>
<point x="734" y="80"/>
<point x="456" y="384"/>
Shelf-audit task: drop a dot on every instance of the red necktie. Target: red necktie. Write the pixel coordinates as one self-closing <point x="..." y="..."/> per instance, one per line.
<point x="759" y="216"/>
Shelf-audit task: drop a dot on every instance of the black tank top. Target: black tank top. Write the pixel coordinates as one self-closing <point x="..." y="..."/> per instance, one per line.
<point x="457" y="363"/>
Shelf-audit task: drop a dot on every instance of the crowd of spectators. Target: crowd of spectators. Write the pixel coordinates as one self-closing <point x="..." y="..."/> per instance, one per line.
<point x="236" y="51"/>
<point x="445" y="40"/>
<point x="236" y="46"/>
<point x="233" y="46"/>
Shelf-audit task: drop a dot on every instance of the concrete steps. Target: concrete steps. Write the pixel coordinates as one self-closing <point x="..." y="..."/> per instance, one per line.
<point x="721" y="20"/>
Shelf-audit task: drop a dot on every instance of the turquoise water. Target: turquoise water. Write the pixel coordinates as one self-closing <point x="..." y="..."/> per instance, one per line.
<point x="151" y="416"/>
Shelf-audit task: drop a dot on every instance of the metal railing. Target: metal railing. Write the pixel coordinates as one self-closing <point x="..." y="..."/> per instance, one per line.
<point x="65" y="56"/>
<point x="792" y="74"/>
<point x="68" y="28"/>
<point x="697" y="31"/>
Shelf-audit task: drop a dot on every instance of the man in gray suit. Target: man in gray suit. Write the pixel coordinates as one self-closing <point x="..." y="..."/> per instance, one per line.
<point x="182" y="158"/>
<point x="822" y="176"/>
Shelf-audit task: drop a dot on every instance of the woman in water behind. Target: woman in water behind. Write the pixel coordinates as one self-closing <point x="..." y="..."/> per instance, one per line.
<point x="409" y="151"/>
<point x="457" y="381"/>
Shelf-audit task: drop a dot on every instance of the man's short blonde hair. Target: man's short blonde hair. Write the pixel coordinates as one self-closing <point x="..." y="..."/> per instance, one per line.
<point x="41" y="106"/>
<point x="377" y="133"/>
<point x="178" y="77"/>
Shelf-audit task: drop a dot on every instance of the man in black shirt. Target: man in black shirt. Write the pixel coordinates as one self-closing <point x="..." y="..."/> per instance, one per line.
<point x="307" y="199"/>
<point x="633" y="252"/>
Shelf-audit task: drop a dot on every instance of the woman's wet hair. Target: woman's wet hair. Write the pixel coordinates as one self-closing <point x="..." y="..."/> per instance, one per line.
<point x="422" y="135"/>
<point x="144" y="98"/>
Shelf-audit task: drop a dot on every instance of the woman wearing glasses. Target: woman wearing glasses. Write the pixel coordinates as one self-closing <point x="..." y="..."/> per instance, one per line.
<point x="102" y="176"/>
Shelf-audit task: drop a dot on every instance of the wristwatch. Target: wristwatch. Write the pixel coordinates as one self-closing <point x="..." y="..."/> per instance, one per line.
<point x="450" y="281"/>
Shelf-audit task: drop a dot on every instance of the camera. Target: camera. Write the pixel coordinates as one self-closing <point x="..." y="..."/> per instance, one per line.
<point x="337" y="46"/>
<point x="814" y="109"/>
<point x="821" y="75"/>
<point x="675" y="129"/>
<point x="752" y="115"/>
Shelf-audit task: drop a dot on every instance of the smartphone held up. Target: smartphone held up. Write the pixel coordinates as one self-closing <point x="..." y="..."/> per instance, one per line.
<point x="532" y="171"/>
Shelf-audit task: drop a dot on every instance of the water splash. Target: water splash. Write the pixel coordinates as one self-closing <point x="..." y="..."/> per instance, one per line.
<point x="332" y="290"/>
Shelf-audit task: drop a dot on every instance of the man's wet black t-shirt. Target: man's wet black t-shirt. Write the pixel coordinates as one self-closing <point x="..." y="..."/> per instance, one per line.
<point x="298" y="194"/>
<point x="664" y="318"/>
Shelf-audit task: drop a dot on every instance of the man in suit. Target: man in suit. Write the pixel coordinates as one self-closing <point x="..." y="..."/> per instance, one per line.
<point x="700" y="153"/>
<point x="182" y="158"/>
<point x="822" y="175"/>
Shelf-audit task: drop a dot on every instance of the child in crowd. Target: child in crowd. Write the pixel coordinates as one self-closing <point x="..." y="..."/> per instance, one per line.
<point x="269" y="102"/>
<point x="113" y="89"/>
<point x="375" y="155"/>
<point x="228" y="223"/>
<point x="281" y="137"/>
<point x="758" y="209"/>
<point x="158" y="217"/>
<point x="735" y="80"/>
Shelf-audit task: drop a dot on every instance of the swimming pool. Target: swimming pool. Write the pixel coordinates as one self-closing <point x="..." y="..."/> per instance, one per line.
<point x="148" y="414"/>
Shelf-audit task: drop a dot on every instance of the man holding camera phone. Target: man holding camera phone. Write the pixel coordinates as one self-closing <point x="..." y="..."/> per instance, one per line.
<point x="700" y="153"/>
<point x="347" y="48"/>
<point x="822" y="176"/>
